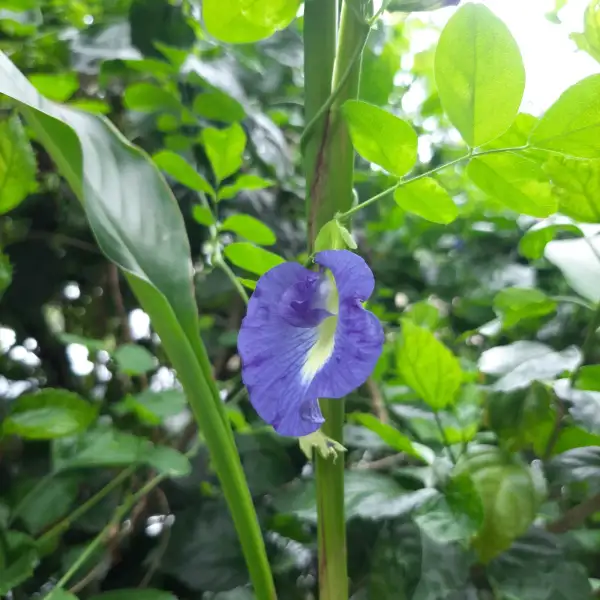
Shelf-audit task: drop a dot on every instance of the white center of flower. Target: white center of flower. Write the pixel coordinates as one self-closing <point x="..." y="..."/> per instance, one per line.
<point x="322" y="349"/>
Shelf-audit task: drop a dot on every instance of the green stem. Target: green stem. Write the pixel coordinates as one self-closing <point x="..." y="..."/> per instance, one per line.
<point x="440" y="427"/>
<point x="90" y="503"/>
<point x="588" y="343"/>
<point x="329" y="166"/>
<point x="220" y="262"/>
<point x="405" y="181"/>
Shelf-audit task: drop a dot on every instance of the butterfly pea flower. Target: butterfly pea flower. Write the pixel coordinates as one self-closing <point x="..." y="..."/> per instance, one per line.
<point x="307" y="336"/>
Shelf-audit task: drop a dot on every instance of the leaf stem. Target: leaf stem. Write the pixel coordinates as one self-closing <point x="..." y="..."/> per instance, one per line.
<point x="445" y="441"/>
<point x="405" y="181"/>
<point x="588" y="343"/>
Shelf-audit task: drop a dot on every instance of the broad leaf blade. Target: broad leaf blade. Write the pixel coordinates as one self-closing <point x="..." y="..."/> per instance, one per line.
<point x="428" y="199"/>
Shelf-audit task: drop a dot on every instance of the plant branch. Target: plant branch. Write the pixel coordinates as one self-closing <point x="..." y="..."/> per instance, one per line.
<point x="576" y="516"/>
<point x="445" y="441"/>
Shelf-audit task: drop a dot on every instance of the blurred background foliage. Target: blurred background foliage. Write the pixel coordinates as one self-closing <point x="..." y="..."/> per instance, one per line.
<point x="517" y="518"/>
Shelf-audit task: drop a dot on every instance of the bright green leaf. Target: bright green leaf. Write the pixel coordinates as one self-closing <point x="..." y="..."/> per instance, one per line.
<point x="427" y="199"/>
<point x="252" y="258"/>
<point x="92" y="105"/>
<point x="48" y="414"/>
<point x="17" y="164"/>
<point x="169" y="461"/>
<point x="153" y="407"/>
<point x="578" y="260"/>
<point x="380" y="137"/>
<point x="134" y="359"/>
<point x="218" y="106"/>
<point x="516" y="181"/>
<point x="390" y="435"/>
<point x="56" y="86"/>
<point x="203" y="215"/>
<point x="515" y="304"/>
<point x="247" y="283"/>
<point x="572" y="124"/>
<point x="588" y="378"/>
<point x="334" y="236"/>
<point x="245" y="22"/>
<point x="225" y="149"/>
<point x="243" y="183"/>
<point x="589" y="40"/>
<point x="534" y="242"/>
<point x="479" y="74"/>
<point x="428" y="367"/>
<point x="180" y="170"/>
<point x="509" y="494"/>
<point x="148" y="97"/>
<point x="250" y="228"/>
<point x="577" y="186"/>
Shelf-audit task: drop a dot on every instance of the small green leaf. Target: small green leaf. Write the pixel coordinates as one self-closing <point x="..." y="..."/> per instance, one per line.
<point x="534" y="242"/>
<point x="169" y="461"/>
<point x="91" y="105"/>
<point x="133" y="359"/>
<point x="147" y="97"/>
<point x="238" y="22"/>
<point x="428" y="367"/>
<point x="588" y="378"/>
<point x="243" y="183"/>
<point x="572" y="124"/>
<point x="218" y="106"/>
<point x="516" y="181"/>
<point x="17" y="164"/>
<point x="250" y="228"/>
<point x="515" y="304"/>
<point x="390" y="435"/>
<point x="252" y="258"/>
<point x="100" y="447"/>
<point x="427" y="199"/>
<point x="509" y="494"/>
<point x="479" y="74"/>
<point x="203" y="215"/>
<point x="247" y="283"/>
<point x="578" y="260"/>
<point x="133" y="594"/>
<point x="577" y="186"/>
<point x="589" y="40"/>
<point x="225" y="149"/>
<point x="56" y="86"/>
<point x="180" y="170"/>
<point x="153" y="407"/>
<point x="48" y="414"/>
<point x="380" y="137"/>
<point x="334" y="236"/>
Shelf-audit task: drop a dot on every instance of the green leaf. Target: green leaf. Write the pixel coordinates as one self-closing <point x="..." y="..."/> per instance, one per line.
<point x="60" y="594"/>
<point x="56" y="86"/>
<point x="251" y="258"/>
<point x="479" y="74"/>
<point x="243" y="183"/>
<point x="17" y="164"/>
<point x="218" y="106"/>
<point x="90" y="344"/>
<point x="169" y="461"/>
<point x="92" y="105"/>
<point x="225" y="149"/>
<point x="101" y="447"/>
<point x="20" y="560"/>
<point x="577" y="186"/>
<point x="48" y="414"/>
<point x="510" y="496"/>
<point x="6" y="273"/>
<point x="522" y="362"/>
<point x="203" y="215"/>
<point x="334" y="236"/>
<point x="390" y="435"/>
<point x="250" y="228"/>
<point x="51" y="502"/>
<point x="428" y="199"/>
<point x="180" y="170"/>
<point x="584" y="406"/>
<point x="248" y="283"/>
<point x="588" y="378"/>
<point x="572" y="124"/>
<point x="237" y="22"/>
<point x="418" y="5"/>
<point x="516" y="181"/>
<point x="427" y="366"/>
<point x="133" y="359"/>
<point x="366" y="496"/>
<point x="578" y="260"/>
<point x="380" y="137"/>
<point x="153" y="407"/>
<point x="534" y="242"/>
<point x="515" y="304"/>
<point x="148" y="97"/>
<point x="133" y="594"/>
<point x="589" y="40"/>
<point x="455" y="515"/>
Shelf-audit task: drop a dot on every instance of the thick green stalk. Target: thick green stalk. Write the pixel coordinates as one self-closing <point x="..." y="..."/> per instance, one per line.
<point x="329" y="164"/>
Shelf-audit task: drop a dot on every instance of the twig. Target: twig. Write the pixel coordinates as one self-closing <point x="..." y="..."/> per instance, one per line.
<point x="381" y="464"/>
<point x="575" y="516"/>
<point x="377" y="401"/>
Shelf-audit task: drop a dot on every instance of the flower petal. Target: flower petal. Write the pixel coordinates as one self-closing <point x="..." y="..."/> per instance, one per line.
<point x="273" y="349"/>
<point x="352" y="275"/>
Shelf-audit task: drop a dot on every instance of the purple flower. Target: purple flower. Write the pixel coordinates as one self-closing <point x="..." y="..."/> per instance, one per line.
<point x="307" y="336"/>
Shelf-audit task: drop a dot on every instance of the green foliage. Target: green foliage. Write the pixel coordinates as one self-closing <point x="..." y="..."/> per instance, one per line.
<point x="479" y="74"/>
<point x="251" y="258"/>
<point x="515" y="304"/>
<point x="428" y="199"/>
<point x="250" y="228"/>
<point x="589" y="40"/>
<point x="224" y="148"/>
